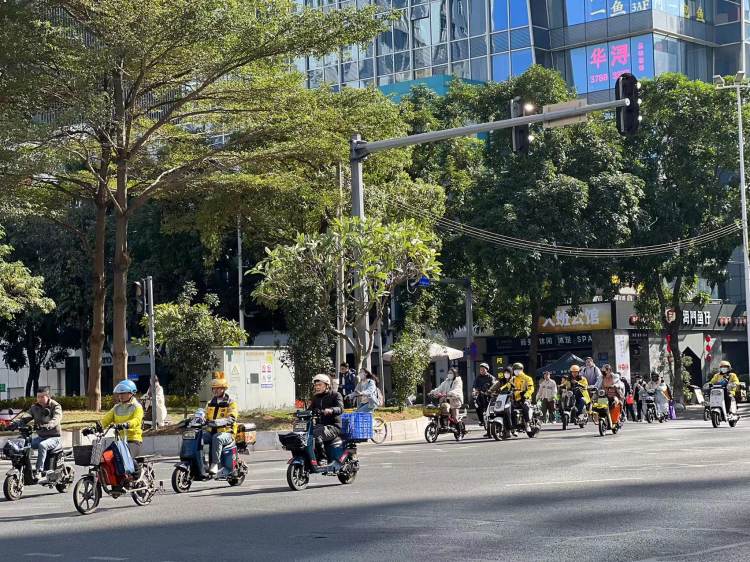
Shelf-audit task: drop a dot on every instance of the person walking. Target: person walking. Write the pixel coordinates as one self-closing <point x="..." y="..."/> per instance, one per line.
<point x="637" y="390"/>
<point x="629" y="400"/>
<point x="592" y="373"/>
<point x="547" y="393"/>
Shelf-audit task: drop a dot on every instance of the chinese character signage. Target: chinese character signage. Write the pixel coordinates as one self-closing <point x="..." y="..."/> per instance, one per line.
<point x="558" y="340"/>
<point x="597" y="316"/>
<point x="605" y="62"/>
<point x="618" y="7"/>
<point x="597" y="10"/>
<point x="622" y="354"/>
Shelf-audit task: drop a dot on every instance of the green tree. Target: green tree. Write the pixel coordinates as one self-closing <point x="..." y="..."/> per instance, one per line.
<point x="385" y="256"/>
<point x="19" y="290"/>
<point x="571" y="189"/>
<point x="689" y="189"/>
<point x="411" y="351"/>
<point x="186" y="333"/>
<point x="138" y="93"/>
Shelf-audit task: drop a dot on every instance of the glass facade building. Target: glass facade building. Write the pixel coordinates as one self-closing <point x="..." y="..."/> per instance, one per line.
<point x="590" y="42"/>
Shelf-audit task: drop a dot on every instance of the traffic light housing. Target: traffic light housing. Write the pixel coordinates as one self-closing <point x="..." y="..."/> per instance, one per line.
<point x="628" y="88"/>
<point x="520" y="134"/>
<point x="139" y="293"/>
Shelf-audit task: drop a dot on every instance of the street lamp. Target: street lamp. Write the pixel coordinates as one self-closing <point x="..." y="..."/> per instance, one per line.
<point x="738" y="85"/>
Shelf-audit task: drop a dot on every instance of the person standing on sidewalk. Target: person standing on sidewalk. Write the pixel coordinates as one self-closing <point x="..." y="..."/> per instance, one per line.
<point x="629" y="409"/>
<point x="348" y="379"/>
<point x="547" y="393"/>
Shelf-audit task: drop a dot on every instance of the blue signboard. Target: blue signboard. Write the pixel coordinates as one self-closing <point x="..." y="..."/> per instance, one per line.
<point x="133" y="376"/>
<point x="423" y="281"/>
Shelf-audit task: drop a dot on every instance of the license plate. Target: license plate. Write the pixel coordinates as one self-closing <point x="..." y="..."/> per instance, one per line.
<point x="603" y="402"/>
<point x="189" y="435"/>
<point x="300" y="426"/>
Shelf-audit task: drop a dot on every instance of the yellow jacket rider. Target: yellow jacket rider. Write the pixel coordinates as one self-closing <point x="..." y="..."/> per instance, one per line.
<point x="127" y="412"/>
<point x="221" y="415"/>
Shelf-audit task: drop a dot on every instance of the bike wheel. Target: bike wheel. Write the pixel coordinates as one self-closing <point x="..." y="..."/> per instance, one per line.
<point x="431" y="432"/>
<point x="86" y="495"/>
<point x="240" y="478"/>
<point x="148" y="481"/>
<point x="706" y="414"/>
<point x="460" y="431"/>
<point x="494" y="432"/>
<point x="181" y="481"/>
<point x="13" y="487"/>
<point x="347" y="476"/>
<point x="67" y="479"/>
<point x="297" y="477"/>
<point x="602" y="427"/>
<point x="715" y="419"/>
<point x="649" y="417"/>
<point x="733" y="422"/>
<point x="379" y="431"/>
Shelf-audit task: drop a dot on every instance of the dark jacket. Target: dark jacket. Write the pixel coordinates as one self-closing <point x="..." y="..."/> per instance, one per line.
<point x="46" y="420"/>
<point x="349" y="381"/>
<point x="332" y="400"/>
<point x="483" y="383"/>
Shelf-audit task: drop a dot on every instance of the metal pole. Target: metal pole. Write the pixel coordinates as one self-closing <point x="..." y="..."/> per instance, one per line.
<point x="340" y="305"/>
<point x="360" y="148"/>
<point x="358" y="210"/>
<point x="743" y="201"/>
<point x="469" y="335"/>
<point x="152" y="348"/>
<point x="241" y="310"/>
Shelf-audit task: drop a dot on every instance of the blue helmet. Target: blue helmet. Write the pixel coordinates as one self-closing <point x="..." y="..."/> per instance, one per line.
<point x="124" y="387"/>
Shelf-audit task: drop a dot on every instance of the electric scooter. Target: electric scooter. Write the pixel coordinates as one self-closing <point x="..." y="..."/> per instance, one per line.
<point x="718" y="405"/>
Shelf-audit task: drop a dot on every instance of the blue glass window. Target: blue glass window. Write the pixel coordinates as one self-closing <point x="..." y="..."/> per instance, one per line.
<point x="499" y="15"/>
<point x="578" y="70"/>
<point x="639" y="5"/>
<point x="479" y="69"/>
<point x="596" y="10"/>
<point x="618" y="7"/>
<point x="598" y="67"/>
<point x="421" y="32"/>
<point x="459" y="19"/>
<point x="520" y="61"/>
<point x="500" y="68"/>
<point x="519" y="13"/>
<point x="575" y="12"/>
<point x="478" y="17"/>
<point x="642" y="49"/>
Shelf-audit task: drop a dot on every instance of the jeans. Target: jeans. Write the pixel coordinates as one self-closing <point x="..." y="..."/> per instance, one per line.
<point x="217" y="441"/>
<point x="580" y="405"/>
<point x="366" y="407"/>
<point x="43" y="446"/>
<point x="135" y="448"/>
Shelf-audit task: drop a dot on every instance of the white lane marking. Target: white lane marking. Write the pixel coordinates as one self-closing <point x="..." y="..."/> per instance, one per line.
<point x="43" y="555"/>
<point x="106" y="558"/>
<point x="581" y="482"/>
<point x="682" y="555"/>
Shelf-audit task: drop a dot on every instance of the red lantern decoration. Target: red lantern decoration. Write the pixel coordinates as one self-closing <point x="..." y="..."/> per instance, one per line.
<point x="708" y="358"/>
<point x="708" y="338"/>
<point x="708" y="348"/>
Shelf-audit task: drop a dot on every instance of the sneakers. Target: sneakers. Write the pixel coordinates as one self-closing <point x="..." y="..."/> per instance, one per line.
<point x="213" y="469"/>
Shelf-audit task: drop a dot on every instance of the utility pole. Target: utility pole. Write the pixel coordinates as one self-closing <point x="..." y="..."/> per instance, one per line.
<point x="469" y="333"/>
<point x="358" y="210"/>
<point x="340" y="303"/>
<point x="239" y="278"/>
<point x="152" y="348"/>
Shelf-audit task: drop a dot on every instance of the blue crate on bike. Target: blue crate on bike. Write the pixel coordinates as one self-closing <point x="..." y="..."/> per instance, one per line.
<point x="357" y="426"/>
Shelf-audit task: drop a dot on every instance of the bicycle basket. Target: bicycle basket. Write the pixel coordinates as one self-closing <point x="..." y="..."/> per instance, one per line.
<point x="82" y="455"/>
<point x="430" y="411"/>
<point x="357" y="425"/>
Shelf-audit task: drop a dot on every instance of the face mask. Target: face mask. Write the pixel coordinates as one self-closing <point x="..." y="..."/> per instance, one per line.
<point x="724" y="370"/>
<point x="507" y="375"/>
<point x="517" y="372"/>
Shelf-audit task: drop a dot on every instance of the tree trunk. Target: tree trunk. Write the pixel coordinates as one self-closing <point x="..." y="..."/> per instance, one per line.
<point x="673" y="329"/>
<point x="120" y="278"/>
<point x="534" y="344"/>
<point x="32" y="382"/>
<point x="99" y="290"/>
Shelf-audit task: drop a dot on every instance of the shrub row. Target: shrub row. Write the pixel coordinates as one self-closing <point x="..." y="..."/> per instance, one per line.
<point x="79" y="402"/>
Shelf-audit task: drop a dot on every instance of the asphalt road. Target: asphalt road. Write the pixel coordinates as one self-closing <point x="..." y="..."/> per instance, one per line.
<point x="673" y="492"/>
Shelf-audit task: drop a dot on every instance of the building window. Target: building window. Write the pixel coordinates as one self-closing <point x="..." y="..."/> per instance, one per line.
<point x="479" y="69"/>
<point x="461" y="69"/>
<point x="478" y="17"/>
<point x="401" y="33"/>
<point x="618" y="8"/>
<point x="439" y="22"/>
<point x="575" y="12"/>
<point x="459" y="19"/>
<point x="578" y="71"/>
<point x="500" y="67"/>
<point x="420" y="29"/>
<point x="519" y="13"/>
<point x="520" y="61"/>
<point x="499" y="15"/>
<point x="596" y="10"/>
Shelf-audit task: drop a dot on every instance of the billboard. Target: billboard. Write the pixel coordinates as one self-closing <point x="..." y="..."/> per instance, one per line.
<point x="590" y="317"/>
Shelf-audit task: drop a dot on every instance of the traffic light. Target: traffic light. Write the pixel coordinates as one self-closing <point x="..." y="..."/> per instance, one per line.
<point x="628" y="117"/>
<point x="520" y="134"/>
<point x="139" y="292"/>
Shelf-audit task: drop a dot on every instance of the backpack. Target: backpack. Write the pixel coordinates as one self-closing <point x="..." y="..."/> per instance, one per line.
<point x="379" y="397"/>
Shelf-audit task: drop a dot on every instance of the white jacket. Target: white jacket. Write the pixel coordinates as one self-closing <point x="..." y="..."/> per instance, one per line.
<point x="454" y="388"/>
<point x="547" y="390"/>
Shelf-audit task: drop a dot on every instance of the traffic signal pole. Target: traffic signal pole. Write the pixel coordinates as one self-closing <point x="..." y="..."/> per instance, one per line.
<point x="152" y="348"/>
<point x="360" y="149"/>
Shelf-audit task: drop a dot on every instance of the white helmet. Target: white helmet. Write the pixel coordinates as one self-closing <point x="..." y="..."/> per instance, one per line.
<point x="322" y="378"/>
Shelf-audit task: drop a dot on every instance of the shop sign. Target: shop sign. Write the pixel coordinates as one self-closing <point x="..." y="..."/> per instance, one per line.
<point x="591" y="317"/>
<point x="559" y="340"/>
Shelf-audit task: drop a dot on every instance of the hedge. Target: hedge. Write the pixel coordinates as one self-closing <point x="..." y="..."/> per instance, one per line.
<point x="79" y="402"/>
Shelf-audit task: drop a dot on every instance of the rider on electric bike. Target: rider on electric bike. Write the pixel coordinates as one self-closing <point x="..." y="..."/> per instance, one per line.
<point x="221" y="414"/>
<point x="47" y="415"/>
<point x="451" y="395"/>
<point x="615" y="392"/>
<point x="523" y="386"/>
<point x="128" y="414"/>
<point x="579" y="385"/>
<point x="329" y="405"/>
<point x="480" y="392"/>
<point x="725" y="377"/>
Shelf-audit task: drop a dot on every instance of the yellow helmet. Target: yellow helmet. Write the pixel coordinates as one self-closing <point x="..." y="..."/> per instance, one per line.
<point x="725" y="363"/>
<point x="219" y="381"/>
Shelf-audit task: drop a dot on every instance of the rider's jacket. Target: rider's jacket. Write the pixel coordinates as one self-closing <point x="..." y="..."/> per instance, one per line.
<point x="583" y="386"/>
<point x="523" y="386"/>
<point x="131" y="413"/>
<point x="46" y="419"/>
<point x="483" y="382"/>
<point x="223" y="409"/>
<point x="329" y="401"/>
<point x="718" y="378"/>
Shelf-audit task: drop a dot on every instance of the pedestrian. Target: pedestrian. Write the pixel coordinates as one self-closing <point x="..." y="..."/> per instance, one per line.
<point x="592" y="373"/>
<point x="629" y="400"/>
<point x="547" y="393"/>
<point x="161" y="405"/>
<point x="637" y="398"/>
<point x="348" y="378"/>
<point x="366" y="392"/>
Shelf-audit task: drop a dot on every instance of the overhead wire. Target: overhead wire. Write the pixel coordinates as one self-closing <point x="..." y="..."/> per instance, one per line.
<point x="572" y="251"/>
